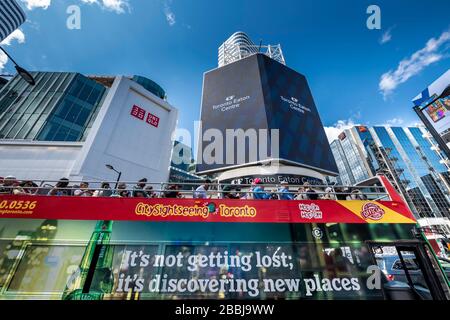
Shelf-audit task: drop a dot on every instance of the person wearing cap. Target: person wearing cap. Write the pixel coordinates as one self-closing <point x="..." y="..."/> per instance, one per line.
<point x="283" y="191"/>
<point x="258" y="190"/>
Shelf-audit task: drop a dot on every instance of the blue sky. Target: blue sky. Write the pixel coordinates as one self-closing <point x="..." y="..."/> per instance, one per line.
<point x="175" y="42"/>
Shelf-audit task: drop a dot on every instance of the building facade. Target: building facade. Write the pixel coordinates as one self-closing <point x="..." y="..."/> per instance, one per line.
<point x="11" y="17"/>
<point x="60" y="107"/>
<point x="70" y="125"/>
<point x="182" y="164"/>
<point x="407" y="156"/>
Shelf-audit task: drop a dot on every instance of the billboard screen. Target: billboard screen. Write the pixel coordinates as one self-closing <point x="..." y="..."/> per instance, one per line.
<point x="434" y="104"/>
<point x="257" y="110"/>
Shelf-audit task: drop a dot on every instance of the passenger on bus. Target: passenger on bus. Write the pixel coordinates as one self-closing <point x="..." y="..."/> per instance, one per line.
<point x="341" y="194"/>
<point x="138" y="189"/>
<point x="356" y="194"/>
<point x="25" y="188"/>
<point x="310" y="193"/>
<point x="61" y="188"/>
<point x="227" y="193"/>
<point x="105" y="190"/>
<point x="150" y="192"/>
<point x="258" y="190"/>
<point x="8" y="185"/>
<point x="83" y="190"/>
<point x="328" y="195"/>
<point x="121" y="191"/>
<point x="172" y="192"/>
<point x="202" y="191"/>
<point x="284" y="193"/>
<point x="301" y="194"/>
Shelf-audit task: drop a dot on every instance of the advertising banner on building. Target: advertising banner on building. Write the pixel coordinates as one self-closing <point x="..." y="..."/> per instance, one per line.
<point x="257" y="109"/>
<point x="194" y="210"/>
<point x="434" y="106"/>
<point x="11" y="17"/>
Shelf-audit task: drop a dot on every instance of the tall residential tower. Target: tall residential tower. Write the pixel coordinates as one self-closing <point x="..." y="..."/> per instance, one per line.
<point x="239" y="46"/>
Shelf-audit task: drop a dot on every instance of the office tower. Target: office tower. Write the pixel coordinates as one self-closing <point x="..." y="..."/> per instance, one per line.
<point x="60" y="107"/>
<point x="407" y="156"/>
<point x="263" y="117"/>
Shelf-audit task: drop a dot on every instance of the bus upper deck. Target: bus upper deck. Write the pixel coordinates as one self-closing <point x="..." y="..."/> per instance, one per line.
<point x="56" y="245"/>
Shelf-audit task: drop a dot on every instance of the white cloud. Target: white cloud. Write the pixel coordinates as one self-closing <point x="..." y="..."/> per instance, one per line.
<point x="31" y="4"/>
<point x="3" y="61"/>
<point x="15" y="35"/>
<point x="170" y="16"/>
<point x="386" y="37"/>
<point x="394" y="122"/>
<point x="18" y="36"/>
<point x="434" y="50"/>
<point x="118" y="6"/>
<point x="334" y="131"/>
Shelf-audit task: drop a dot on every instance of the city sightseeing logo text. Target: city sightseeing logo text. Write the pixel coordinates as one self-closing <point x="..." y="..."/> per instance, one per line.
<point x="164" y="211"/>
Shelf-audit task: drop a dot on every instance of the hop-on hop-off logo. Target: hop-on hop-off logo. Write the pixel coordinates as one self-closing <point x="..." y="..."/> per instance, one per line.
<point x="372" y="211"/>
<point x="310" y="211"/>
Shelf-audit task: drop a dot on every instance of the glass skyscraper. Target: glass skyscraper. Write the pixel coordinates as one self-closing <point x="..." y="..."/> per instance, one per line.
<point x="350" y="162"/>
<point x="61" y="106"/>
<point x="407" y="156"/>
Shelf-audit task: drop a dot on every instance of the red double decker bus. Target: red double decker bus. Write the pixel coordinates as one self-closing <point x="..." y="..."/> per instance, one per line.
<point x="69" y="247"/>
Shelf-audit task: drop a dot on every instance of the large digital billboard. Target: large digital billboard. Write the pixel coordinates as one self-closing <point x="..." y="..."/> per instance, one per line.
<point x="257" y="110"/>
<point x="434" y="106"/>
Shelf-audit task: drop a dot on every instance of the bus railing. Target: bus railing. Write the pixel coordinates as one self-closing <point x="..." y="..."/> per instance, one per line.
<point x="213" y="190"/>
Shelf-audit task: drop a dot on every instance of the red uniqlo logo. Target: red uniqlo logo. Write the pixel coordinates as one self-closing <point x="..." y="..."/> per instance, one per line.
<point x="153" y="120"/>
<point x="138" y="112"/>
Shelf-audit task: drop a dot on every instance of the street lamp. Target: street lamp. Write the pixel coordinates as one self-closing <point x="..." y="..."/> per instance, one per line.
<point x="21" y="71"/>
<point x="110" y="167"/>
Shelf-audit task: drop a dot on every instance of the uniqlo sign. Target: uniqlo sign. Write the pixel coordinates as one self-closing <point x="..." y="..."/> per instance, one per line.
<point x="138" y="112"/>
<point x="153" y="120"/>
